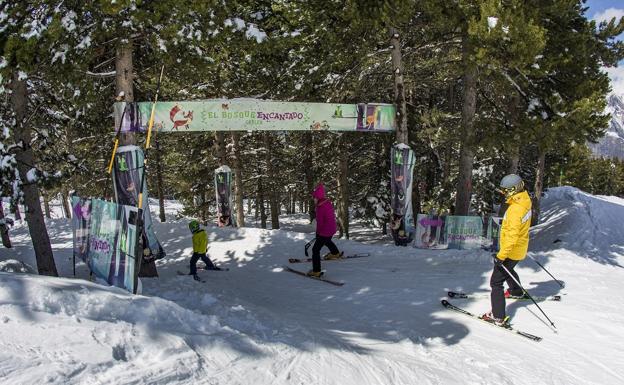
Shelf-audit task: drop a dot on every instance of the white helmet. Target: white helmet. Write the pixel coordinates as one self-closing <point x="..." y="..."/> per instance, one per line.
<point x="511" y="184"/>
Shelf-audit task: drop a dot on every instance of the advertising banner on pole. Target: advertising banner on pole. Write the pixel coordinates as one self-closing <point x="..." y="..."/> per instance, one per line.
<point x="127" y="173"/>
<point x="223" y="191"/>
<point x="81" y="222"/>
<point x="255" y="115"/>
<point x="402" y="218"/>
<point x="464" y="232"/>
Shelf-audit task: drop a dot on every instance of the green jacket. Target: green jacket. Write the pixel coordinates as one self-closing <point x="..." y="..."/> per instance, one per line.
<point x="200" y="241"/>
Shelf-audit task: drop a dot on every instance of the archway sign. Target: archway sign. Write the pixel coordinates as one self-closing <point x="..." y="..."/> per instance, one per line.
<point x="254" y="115"/>
<point x="264" y="115"/>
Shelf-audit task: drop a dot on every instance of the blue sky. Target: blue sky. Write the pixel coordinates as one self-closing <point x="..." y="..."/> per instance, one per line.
<point x="605" y="10"/>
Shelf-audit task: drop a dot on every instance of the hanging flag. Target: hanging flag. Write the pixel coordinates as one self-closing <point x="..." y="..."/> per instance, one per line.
<point x="128" y="170"/>
<point x="223" y="191"/>
<point x="402" y="217"/>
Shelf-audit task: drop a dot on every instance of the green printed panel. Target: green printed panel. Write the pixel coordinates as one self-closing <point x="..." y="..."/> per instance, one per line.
<point x="255" y="114"/>
<point x="464" y="232"/>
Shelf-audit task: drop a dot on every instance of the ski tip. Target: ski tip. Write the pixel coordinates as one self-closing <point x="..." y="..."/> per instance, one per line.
<point x="445" y="302"/>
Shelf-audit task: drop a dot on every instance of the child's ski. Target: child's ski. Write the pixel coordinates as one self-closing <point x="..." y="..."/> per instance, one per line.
<point x="321" y="278"/>
<point x="300" y="260"/>
<point x="508" y="328"/>
<point x="183" y="273"/>
<point x="217" y="269"/>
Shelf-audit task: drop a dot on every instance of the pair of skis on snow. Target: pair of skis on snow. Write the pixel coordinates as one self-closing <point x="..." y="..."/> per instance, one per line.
<point x="507" y="327"/>
<point x="321" y="278"/>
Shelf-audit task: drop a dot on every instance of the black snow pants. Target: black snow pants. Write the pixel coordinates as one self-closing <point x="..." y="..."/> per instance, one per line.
<point x="316" y="250"/>
<point x="499" y="276"/>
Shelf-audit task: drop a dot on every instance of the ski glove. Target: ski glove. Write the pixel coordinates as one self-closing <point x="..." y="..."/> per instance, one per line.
<point x="497" y="261"/>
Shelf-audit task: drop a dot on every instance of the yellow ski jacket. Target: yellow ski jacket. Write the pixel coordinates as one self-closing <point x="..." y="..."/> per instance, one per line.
<point x="514" y="237"/>
<point x="200" y="242"/>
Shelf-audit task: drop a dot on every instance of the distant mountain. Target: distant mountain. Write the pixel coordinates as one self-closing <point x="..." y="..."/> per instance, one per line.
<point x="612" y="144"/>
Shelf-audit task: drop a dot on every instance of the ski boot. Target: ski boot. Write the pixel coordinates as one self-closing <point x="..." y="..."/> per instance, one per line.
<point x="509" y="295"/>
<point x="502" y="322"/>
<point x="330" y="256"/>
<point x="196" y="277"/>
<point x="314" y="274"/>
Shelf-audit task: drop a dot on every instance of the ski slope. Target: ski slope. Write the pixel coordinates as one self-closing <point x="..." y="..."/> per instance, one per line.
<point x="256" y="324"/>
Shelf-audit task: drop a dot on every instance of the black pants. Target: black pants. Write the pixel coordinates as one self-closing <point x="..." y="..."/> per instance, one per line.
<point x="316" y="250"/>
<point x="195" y="258"/>
<point x="499" y="276"/>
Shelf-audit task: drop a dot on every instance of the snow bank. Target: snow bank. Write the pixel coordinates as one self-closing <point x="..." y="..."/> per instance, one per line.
<point x="591" y="226"/>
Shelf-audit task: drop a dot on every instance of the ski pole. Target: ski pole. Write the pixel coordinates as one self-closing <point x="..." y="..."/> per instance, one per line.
<point x="543" y="268"/>
<point x="527" y="293"/>
<point x="307" y="246"/>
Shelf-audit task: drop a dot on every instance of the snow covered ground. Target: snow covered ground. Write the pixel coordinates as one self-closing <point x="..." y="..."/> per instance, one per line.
<point x="256" y="324"/>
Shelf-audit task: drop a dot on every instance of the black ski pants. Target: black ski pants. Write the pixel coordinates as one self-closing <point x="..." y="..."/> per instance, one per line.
<point x="316" y="250"/>
<point x="499" y="276"/>
<point x="203" y="257"/>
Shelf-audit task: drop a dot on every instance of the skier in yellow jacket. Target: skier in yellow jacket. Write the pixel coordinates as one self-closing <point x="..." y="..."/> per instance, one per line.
<point x="514" y="243"/>
<point x="200" y="246"/>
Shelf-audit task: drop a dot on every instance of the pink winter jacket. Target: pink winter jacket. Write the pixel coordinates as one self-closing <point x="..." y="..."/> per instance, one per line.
<point x="325" y="215"/>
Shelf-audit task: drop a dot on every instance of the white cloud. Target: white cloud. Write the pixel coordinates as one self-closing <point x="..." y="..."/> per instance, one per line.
<point x="617" y="79"/>
<point x="608" y="14"/>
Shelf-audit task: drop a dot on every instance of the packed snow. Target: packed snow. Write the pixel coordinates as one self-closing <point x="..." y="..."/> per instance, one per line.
<point x="256" y="324"/>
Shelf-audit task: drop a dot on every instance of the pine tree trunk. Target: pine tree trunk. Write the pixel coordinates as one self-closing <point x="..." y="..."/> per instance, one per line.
<point x="238" y="180"/>
<point x="124" y="79"/>
<point x="399" y="88"/>
<point x="159" y="183"/>
<point x="65" y="203"/>
<point x="46" y="204"/>
<point x="273" y="193"/>
<point x="124" y="82"/>
<point x="220" y="151"/>
<point x="4" y="229"/>
<point x="466" y="153"/>
<point x="539" y="185"/>
<point x="343" y="186"/>
<point x="25" y="160"/>
<point x="260" y="205"/>
<point x="309" y="173"/>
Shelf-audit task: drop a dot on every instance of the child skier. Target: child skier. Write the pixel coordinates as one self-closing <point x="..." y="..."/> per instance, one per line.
<point x="200" y="245"/>
<point x="514" y="243"/>
<point x="325" y="230"/>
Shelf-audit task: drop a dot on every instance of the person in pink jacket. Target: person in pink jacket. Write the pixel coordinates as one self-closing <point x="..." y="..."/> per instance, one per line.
<point x="325" y="230"/>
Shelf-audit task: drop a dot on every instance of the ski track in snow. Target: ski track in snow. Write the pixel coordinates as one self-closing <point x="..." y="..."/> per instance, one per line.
<point x="256" y="324"/>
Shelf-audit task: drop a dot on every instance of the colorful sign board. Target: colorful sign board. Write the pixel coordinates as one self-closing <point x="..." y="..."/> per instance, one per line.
<point x="430" y="232"/>
<point x="254" y="115"/>
<point x="106" y="238"/>
<point x="464" y="232"/>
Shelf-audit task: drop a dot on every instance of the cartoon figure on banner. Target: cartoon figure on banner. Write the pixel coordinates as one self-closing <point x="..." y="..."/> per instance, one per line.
<point x="368" y="117"/>
<point x="174" y="115"/>
<point x="320" y="125"/>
